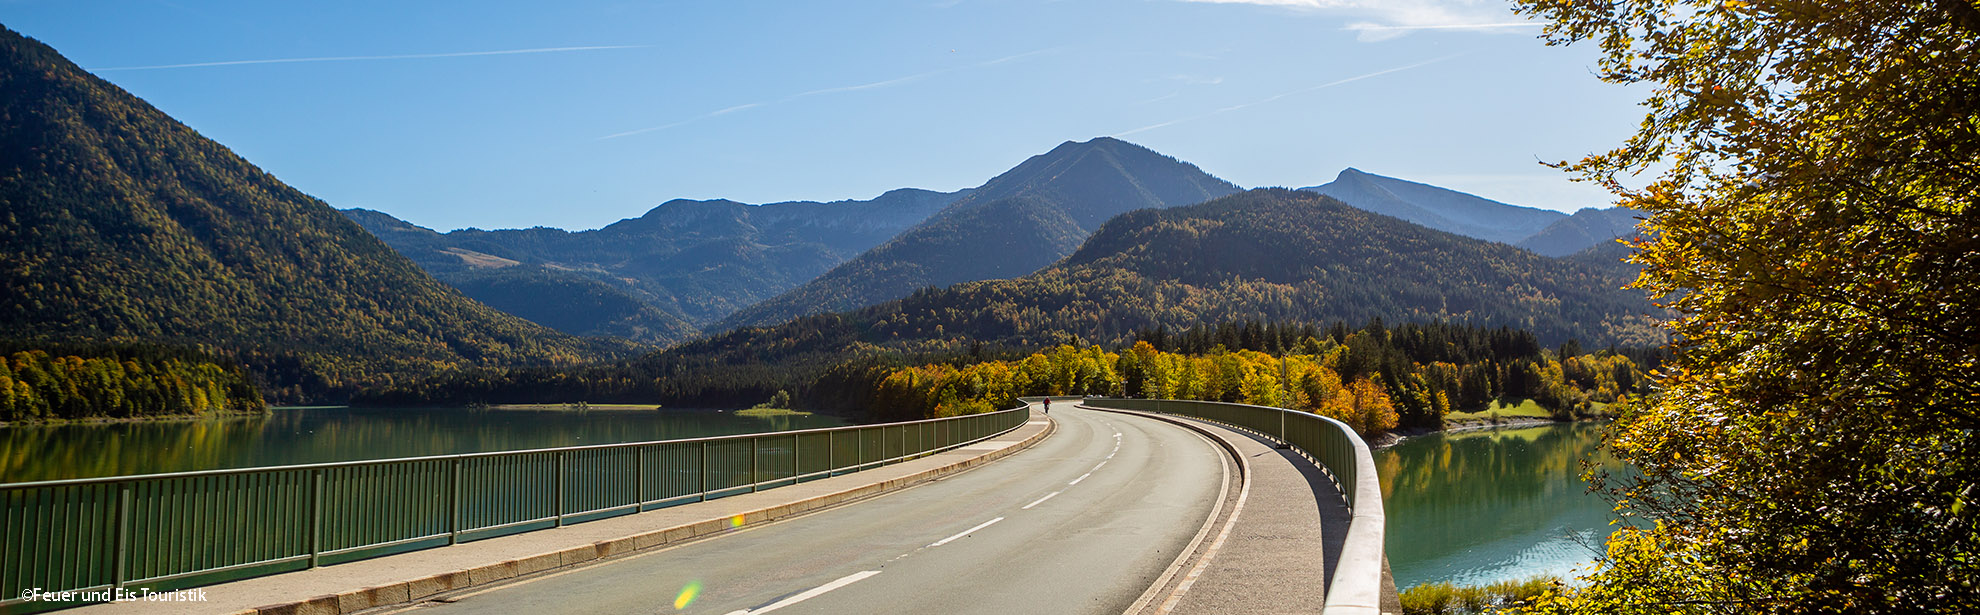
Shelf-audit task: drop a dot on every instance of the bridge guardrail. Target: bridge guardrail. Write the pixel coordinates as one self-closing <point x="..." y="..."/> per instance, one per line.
<point x="1357" y="584"/>
<point x="96" y="536"/>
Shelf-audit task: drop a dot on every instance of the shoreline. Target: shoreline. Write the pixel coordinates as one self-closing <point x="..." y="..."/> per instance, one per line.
<point x="1401" y="435"/>
<point x="106" y="420"/>
<point x="574" y="407"/>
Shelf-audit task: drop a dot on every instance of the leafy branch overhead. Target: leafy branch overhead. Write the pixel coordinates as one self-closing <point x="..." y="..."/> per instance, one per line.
<point x="1812" y="221"/>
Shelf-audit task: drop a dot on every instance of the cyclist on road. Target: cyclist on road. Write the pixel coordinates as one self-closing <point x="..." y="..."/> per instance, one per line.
<point x="1048" y="405"/>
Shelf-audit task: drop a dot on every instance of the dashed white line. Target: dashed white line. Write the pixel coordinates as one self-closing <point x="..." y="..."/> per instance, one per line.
<point x="1097" y="468"/>
<point x="1081" y="478"/>
<point x="1040" y="500"/>
<point x="808" y="594"/>
<point x="963" y="533"/>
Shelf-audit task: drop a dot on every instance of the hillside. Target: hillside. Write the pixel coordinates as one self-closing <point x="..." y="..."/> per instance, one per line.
<point x="1014" y="224"/>
<point x="1438" y="208"/>
<point x="120" y="223"/>
<point x="570" y="302"/>
<point x="659" y="277"/>
<point x="1585" y="229"/>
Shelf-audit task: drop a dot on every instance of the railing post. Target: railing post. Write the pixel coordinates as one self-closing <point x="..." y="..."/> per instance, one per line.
<point x="557" y="486"/>
<point x="454" y="503"/>
<point x="754" y="453"/>
<point x="639" y="475"/>
<point x="859" y="447"/>
<point x="831" y="454"/>
<point x="704" y="470"/>
<point x="315" y="516"/>
<point x="120" y="547"/>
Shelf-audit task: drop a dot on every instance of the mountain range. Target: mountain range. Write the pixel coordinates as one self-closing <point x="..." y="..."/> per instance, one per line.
<point x="1266" y="255"/>
<point x="660" y="277"/>
<point x="689" y="267"/>
<point x="1270" y="255"/>
<point x="121" y="223"/>
<point x="1024" y="219"/>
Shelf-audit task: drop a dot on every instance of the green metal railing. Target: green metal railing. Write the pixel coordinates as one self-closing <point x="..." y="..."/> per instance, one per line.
<point x="167" y="531"/>
<point x="1357" y="576"/>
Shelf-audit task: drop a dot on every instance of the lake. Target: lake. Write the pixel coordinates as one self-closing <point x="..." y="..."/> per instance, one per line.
<point x="1482" y="506"/>
<point x="287" y="436"/>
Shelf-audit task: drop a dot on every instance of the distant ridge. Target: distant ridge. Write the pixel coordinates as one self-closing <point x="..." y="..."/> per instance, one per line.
<point x="123" y="224"/>
<point x="660" y="277"/>
<point x="1024" y="219"/>
<point x="1438" y="208"/>
<point x="1583" y="230"/>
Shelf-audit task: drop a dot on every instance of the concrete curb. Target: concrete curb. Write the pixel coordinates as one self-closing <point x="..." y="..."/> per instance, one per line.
<point x="414" y="590"/>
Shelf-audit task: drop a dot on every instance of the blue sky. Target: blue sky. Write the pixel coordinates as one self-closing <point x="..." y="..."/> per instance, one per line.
<point x="576" y="114"/>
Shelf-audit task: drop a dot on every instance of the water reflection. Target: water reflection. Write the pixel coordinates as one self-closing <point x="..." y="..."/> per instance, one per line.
<point x="1484" y="506"/>
<point x="315" y="435"/>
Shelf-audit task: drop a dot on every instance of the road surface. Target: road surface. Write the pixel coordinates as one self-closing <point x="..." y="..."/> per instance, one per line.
<point x="1083" y="522"/>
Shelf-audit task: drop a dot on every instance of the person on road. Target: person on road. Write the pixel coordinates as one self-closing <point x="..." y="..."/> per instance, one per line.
<point x="1048" y="405"/>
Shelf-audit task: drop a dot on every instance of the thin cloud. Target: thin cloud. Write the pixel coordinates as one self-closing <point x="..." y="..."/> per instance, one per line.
<point x="734" y="109"/>
<point x="407" y="56"/>
<point x="1386" y="19"/>
<point x="832" y="90"/>
<point x="869" y="86"/>
<point x="1334" y="83"/>
<point x="1455" y="26"/>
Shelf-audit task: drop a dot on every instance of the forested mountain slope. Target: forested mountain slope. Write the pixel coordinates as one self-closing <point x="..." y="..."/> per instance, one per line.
<point x="120" y="223"/>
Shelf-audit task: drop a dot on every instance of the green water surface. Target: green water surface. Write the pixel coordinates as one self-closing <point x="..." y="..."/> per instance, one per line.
<point x="1477" y="507"/>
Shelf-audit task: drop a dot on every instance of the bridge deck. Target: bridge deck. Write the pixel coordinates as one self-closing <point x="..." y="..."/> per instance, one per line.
<point x="354" y="586"/>
<point x="1277" y="555"/>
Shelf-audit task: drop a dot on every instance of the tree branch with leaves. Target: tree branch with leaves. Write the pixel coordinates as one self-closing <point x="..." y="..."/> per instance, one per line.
<point x="1812" y="221"/>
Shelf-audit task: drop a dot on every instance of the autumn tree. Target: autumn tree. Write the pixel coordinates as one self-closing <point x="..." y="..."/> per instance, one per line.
<point x="1811" y="219"/>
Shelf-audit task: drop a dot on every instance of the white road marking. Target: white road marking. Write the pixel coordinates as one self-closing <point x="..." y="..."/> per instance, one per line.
<point x="1081" y="478"/>
<point x="1040" y="501"/>
<point x="1097" y="468"/>
<point x="963" y="533"/>
<point x="808" y="594"/>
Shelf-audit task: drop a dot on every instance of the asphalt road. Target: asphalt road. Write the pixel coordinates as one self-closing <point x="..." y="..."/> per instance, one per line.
<point x="1083" y="522"/>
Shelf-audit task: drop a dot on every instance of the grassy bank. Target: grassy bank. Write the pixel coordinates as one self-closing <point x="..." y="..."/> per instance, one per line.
<point x="769" y="412"/>
<point x="574" y="406"/>
<point x="1447" y="599"/>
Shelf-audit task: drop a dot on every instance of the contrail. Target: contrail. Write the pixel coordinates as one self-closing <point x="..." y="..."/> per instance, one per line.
<point x="832" y="90"/>
<point x="1283" y="95"/>
<point x="409" y="56"/>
